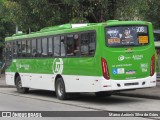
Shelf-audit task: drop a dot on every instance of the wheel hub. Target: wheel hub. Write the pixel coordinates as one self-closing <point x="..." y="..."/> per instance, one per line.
<point x="60" y="89"/>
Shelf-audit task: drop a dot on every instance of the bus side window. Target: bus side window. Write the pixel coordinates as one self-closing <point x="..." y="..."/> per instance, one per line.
<point x="50" y="47"/>
<point x="84" y="44"/>
<point x="19" y="46"/>
<point x="44" y="47"/>
<point x="39" y="47"/>
<point x="70" y="45"/>
<point x="8" y="51"/>
<point x="34" y="49"/>
<point x="24" y="48"/>
<point x="92" y="43"/>
<point x="57" y="45"/>
<point x="73" y="43"/>
<point x="15" y="49"/>
<point x="63" y="51"/>
<point x="28" y="47"/>
<point x="76" y="45"/>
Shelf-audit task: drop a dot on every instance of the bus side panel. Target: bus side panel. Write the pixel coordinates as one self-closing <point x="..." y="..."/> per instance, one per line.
<point x="10" y="78"/>
<point x="41" y="81"/>
<point x="80" y="83"/>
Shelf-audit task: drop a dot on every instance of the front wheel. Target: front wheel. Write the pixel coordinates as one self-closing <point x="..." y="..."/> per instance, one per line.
<point x="60" y="89"/>
<point x="19" y="87"/>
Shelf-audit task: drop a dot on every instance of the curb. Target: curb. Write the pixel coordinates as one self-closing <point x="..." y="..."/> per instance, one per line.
<point x="138" y="96"/>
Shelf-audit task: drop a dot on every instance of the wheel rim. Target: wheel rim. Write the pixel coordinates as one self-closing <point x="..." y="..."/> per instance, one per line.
<point x="19" y="84"/>
<point x="60" y="89"/>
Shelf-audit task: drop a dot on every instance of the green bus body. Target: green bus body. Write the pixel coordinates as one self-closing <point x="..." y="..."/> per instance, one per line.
<point x="122" y="63"/>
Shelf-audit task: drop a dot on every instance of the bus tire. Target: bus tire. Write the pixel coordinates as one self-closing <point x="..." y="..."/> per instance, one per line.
<point x="60" y="89"/>
<point x="19" y="87"/>
<point x="102" y="94"/>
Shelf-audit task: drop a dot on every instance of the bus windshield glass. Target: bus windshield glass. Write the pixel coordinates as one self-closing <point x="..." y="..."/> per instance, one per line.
<point x="126" y="36"/>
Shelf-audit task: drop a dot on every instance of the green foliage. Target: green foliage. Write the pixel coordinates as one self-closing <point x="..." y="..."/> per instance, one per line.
<point x="153" y="13"/>
<point x="41" y="13"/>
<point x="131" y="9"/>
<point x="6" y="27"/>
<point x="36" y="14"/>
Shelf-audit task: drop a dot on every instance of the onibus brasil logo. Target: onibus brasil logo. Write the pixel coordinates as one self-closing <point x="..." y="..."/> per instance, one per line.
<point x="57" y="66"/>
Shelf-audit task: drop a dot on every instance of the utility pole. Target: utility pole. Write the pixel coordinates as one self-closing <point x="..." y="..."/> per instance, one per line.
<point x="16" y="29"/>
<point x="29" y="30"/>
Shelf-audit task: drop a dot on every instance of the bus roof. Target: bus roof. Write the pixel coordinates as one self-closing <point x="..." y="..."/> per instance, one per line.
<point x="60" y="29"/>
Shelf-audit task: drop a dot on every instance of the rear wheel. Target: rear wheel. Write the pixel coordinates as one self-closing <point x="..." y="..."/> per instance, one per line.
<point x="19" y="87"/>
<point x="60" y="89"/>
<point x="103" y="94"/>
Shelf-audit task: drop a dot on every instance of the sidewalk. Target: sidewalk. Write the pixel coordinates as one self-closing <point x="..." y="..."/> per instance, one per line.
<point x="151" y="93"/>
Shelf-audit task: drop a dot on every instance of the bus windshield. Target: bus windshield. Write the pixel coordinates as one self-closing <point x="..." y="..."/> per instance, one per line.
<point x="127" y="36"/>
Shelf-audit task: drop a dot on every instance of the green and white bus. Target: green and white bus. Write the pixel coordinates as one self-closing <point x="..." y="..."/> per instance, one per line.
<point x="72" y="58"/>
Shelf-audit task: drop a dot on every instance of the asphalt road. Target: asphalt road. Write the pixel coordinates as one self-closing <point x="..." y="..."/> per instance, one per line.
<point x="38" y="100"/>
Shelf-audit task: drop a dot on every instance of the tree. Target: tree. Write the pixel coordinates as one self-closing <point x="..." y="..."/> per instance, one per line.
<point x="6" y="27"/>
<point x="153" y="13"/>
<point x="131" y="10"/>
<point x="40" y="13"/>
<point x="36" y="14"/>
